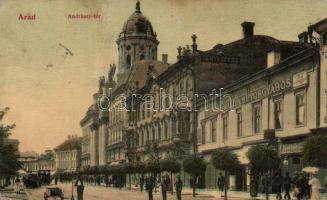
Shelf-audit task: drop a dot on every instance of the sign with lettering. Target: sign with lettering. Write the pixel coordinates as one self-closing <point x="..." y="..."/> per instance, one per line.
<point x="292" y="148"/>
<point x="300" y="79"/>
<point x="263" y="92"/>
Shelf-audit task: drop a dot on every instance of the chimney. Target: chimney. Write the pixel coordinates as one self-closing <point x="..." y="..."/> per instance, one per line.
<point x="273" y="58"/>
<point x="248" y="29"/>
<point x="165" y="58"/>
<point x="303" y="37"/>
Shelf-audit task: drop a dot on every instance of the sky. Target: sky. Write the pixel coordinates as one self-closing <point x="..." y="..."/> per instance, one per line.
<point x="48" y="92"/>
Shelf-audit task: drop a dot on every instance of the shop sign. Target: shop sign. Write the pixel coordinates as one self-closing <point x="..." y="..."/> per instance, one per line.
<point x="291" y="148"/>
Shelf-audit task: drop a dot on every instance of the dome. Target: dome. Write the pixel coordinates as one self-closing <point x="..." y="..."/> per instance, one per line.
<point x="138" y="23"/>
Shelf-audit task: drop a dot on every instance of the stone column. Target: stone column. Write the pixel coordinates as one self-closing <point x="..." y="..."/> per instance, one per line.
<point x="103" y="133"/>
<point x="94" y="143"/>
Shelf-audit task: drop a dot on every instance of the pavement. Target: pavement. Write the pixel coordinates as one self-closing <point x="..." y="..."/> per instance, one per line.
<point x="109" y="193"/>
<point x="9" y="194"/>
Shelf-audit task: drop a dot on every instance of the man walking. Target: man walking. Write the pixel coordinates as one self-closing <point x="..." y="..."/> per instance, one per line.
<point x="149" y="185"/>
<point x="221" y="184"/>
<point x="142" y="183"/>
<point x="80" y="188"/>
<point x="287" y="186"/>
<point x="164" y="187"/>
<point x="178" y="187"/>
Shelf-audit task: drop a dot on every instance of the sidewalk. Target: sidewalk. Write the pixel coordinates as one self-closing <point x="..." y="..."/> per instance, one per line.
<point x="8" y="193"/>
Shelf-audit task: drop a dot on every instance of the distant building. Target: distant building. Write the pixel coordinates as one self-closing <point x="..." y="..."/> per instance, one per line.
<point x="68" y="154"/>
<point x="32" y="162"/>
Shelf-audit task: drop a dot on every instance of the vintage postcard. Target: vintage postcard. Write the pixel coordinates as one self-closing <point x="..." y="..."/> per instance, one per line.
<point x="164" y="99"/>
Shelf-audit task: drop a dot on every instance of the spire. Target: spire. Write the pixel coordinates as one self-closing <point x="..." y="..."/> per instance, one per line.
<point x="138" y="6"/>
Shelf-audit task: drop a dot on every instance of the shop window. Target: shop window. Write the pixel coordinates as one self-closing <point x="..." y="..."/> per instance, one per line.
<point x="300" y="108"/>
<point x="278" y="114"/>
<point x="256" y="113"/>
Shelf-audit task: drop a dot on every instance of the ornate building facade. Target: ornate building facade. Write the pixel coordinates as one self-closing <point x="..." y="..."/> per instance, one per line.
<point x="277" y="88"/>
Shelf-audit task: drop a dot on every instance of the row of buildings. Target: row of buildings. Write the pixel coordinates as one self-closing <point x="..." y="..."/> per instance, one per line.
<point x="235" y="95"/>
<point x="64" y="158"/>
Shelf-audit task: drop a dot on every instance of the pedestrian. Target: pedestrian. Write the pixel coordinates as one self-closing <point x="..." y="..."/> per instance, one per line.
<point x="287" y="183"/>
<point x="142" y="182"/>
<point x="278" y="182"/>
<point x="178" y="187"/>
<point x="149" y="185"/>
<point x="315" y="185"/>
<point x="164" y="187"/>
<point x="17" y="185"/>
<point x="300" y="186"/>
<point x="221" y="183"/>
<point x="80" y="188"/>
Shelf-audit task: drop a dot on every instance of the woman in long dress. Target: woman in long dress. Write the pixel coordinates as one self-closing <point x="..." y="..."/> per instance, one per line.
<point x="315" y="185"/>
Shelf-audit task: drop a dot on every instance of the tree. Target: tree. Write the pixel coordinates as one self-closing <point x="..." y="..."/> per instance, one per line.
<point x="9" y="163"/>
<point x="139" y="167"/>
<point x="263" y="159"/>
<point x="128" y="168"/>
<point x="195" y="166"/>
<point x="315" y="151"/>
<point x="170" y="165"/>
<point x="227" y="161"/>
<point x="153" y="166"/>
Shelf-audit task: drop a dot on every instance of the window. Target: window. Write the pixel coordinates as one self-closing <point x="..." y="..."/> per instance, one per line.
<point x="166" y="131"/>
<point x="187" y="82"/>
<point x="300" y="108"/>
<point x="128" y="47"/>
<point x="181" y="87"/>
<point x="239" y="122"/>
<point x="256" y="113"/>
<point x="203" y="138"/>
<point x="159" y="132"/>
<point x="142" y="57"/>
<point x="278" y="114"/>
<point x="142" y="138"/>
<point x="213" y="129"/>
<point x="153" y="133"/>
<point x="168" y="100"/>
<point x="225" y="127"/>
<point x="147" y="135"/>
<point x="128" y="61"/>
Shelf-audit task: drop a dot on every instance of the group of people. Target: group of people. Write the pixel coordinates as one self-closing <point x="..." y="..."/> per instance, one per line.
<point x="304" y="188"/>
<point x="150" y="183"/>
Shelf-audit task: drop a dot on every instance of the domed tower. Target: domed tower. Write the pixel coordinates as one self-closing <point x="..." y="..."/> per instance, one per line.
<point x="137" y="41"/>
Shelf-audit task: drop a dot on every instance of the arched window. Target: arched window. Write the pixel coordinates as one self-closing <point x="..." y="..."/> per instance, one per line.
<point x="128" y="61"/>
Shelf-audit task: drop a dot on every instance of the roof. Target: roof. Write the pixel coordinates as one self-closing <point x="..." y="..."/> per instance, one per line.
<point x="137" y="23"/>
<point x="225" y="64"/>
<point x="139" y="74"/>
<point x="69" y="144"/>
